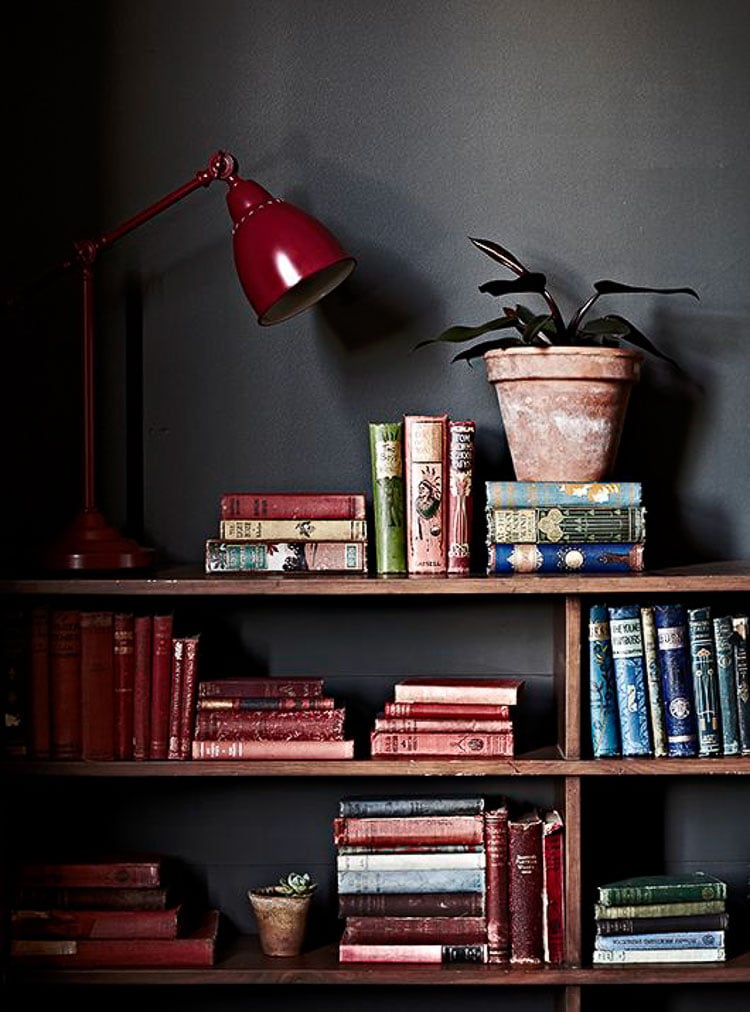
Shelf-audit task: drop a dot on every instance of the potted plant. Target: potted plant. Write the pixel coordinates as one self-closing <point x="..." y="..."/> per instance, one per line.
<point x="562" y="387"/>
<point x="281" y="913"/>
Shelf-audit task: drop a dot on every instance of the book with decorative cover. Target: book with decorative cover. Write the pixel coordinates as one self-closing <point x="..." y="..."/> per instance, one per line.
<point x="723" y="644"/>
<point x="525" y="888"/>
<point x="465" y="745"/>
<point x="605" y="722"/>
<point x="124" y="675"/>
<point x="609" y="557"/>
<point x="672" y="940"/>
<point x="630" y="679"/>
<point x="267" y="687"/>
<point x="292" y="505"/>
<point x="285" y="556"/>
<point x="662" y="889"/>
<point x="687" y="908"/>
<point x="425" y="465"/>
<point x="161" y="684"/>
<point x="388" y="495"/>
<point x="553" y="890"/>
<point x="705" y="681"/>
<point x="677" y="682"/>
<point x="653" y="681"/>
<point x="496" y="890"/>
<point x="566" y="524"/>
<point x="268" y="749"/>
<point x="441" y="711"/>
<point x="278" y="725"/>
<point x="412" y="880"/>
<point x="742" y="678"/>
<point x="501" y="494"/>
<point x="461" y="454"/>
<point x="302" y="529"/>
<point x="388" y="831"/>
<point x="406" y="806"/>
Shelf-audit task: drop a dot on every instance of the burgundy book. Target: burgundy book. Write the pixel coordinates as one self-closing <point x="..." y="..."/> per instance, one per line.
<point x="553" y="893"/>
<point x="97" y="686"/>
<point x="175" y="698"/>
<point x="425" y="471"/>
<point x="135" y="872"/>
<point x="501" y="691"/>
<point x="410" y="952"/>
<point x="411" y="904"/>
<point x="293" y="505"/>
<point x="468" y="711"/>
<point x="189" y="695"/>
<point x="468" y="930"/>
<point x="525" y="888"/>
<point x="496" y="887"/>
<point x="142" y="686"/>
<point x="197" y="948"/>
<point x="15" y="643"/>
<point x="124" y="661"/>
<point x="267" y="703"/>
<point x="40" y="741"/>
<point x="65" y="683"/>
<point x="281" y="725"/>
<point x="392" y="830"/>
<point x="461" y="443"/>
<point x="253" y="749"/>
<point x="92" y="923"/>
<point x="462" y="745"/>
<point x="240" y="688"/>
<point x="91" y="897"/>
<point x="161" y="684"/>
<point x="442" y="724"/>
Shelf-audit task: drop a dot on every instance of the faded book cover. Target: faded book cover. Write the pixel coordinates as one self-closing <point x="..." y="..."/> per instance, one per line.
<point x="653" y="681"/>
<point x="64" y="922"/>
<point x="252" y="749"/>
<point x="630" y="679"/>
<point x="161" y="684"/>
<point x="439" y="711"/>
<point x="525" y="888"/>
<point x="285" y="556"/>
<point x="413" y="880"/>
<point x="292" y="505"/>
<point x="730" y="727"/>
<point x="189" y="695"/>
<point x="97" y="686"/>
<point x="501" y="494"/>
<point x="461" y="456"/>
<point x="388" y="495"/>
<point x="466" y="690"/>
<point x="40" y="741"/>
<point x="426" y="465"/>
<point x="393" y="952"/>
<point x="132" y="871"/>
<point x="605" y="720"/>
<point x="705" y="680"/>
<point x="407" y="806"/>
<point x="302" y="529"/>
<point x="464" y="745"/>
<point x="266" y="687"/>
<point x="450" y="905"/>
<point x="91" y="898"/>
<point x="276" y="725"/>
<point x="142" y="686"/>
<point x="429" y="930"/>
<point x="388" y="831"/>
<point x="566" y="524"/>
<point x="65" y="681"/>
<point x="124" y="663"/>
<point x="496" y="891"/>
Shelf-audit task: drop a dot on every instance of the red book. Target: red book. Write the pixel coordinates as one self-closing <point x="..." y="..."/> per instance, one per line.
<point x="15" y="642"/>
<point x="468" y="711"/>
<point x="266" y="703"/>
<point x="161" y="684"/>
<point x="425" y="470"/>
<point x="461" y="443"/>
<point x="245" y="749"/>
<point x="40" y="740"/>
<point x="97" y="686"/>
<point x="411" y="904"/>
<point x="189" y="694"/>
<point x="501" y="691"/>
<point x="525" y="888"/>
<point x="198" y="948"/>
<point x="93" y="923"/>
<point x="124" y="661"/>
<point x="390" y="831"/>
<point x="553" y="894"/>
<point x="496" y="887"/>
<point x="239" y="688"/>
<point x="139" y="872"/>
<point x="394" y="952"/>
<point x="65" y="683"/>
<point x="91" y="898"/>
<point x="293" y="505"/>
<point x="442" y="724"/>
<point x="468" y="930"/>
<point x="142" y="686"/>
<point x="175" y="698"/>
<point x="279" y="725"/>
<point x="464" y="745"/>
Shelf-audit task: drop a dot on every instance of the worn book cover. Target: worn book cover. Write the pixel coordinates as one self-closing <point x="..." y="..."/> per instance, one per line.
<point x="677" y="680"/>
<point x="143" y="633"/>
<point x="189" y="694"/>
<point x="742" y="678"/>
<point x="607" y="557"/>
<point x="678" y="909"/>
<point x="161" y="684"/>
<point x="653" y="681"/>
<point x="467" y="690"/>
<point x="65" y="683"/>
<point x="412" y="880"/>
<point x="97" y="686"/>
<point x="442" y="904"/>
<point x="385" y="831"/>
<point x="40" y="741"/>
<point x="454" y="711"/>
<point x="496" y="891"/>
<point x="285" y="556"/>
<point x="463" y="745"/>
<point x="175" y="698"/>
<point x="302" y="529"/>
<point x="629" y="663"/>
<point x="426" y="467"/>
<point x="394" y="952"/>
<point x="566" y="524"/>
<point x="501" y="494"/>
<point x="663" y="889"/>
<point x="94" y="923"/>
<point x="615" y="956"/>
<point x="652" y="925"/>
<point x="442" y="724"/>
<point x="723" y="644"/>
<point x="268" y="703"/>
<point x="705" y="680"/>
<point x="92" y="898"/>
<point x="279" y="725"/>
<point x="388" y="495"/>
<point x="266" y="687"/>
<point x="605" y="720"/>
<point x="292" y="505"/>
<point x="461" y="455"/>
<point x="124" y="676"/>
<point x="654" y="940"/>
<point x="406" y="806"/>
<point x="525" y="885"/>
<point x="553" y="888"/>
<point x="254" y="749"/>
<point x="400" y="860"/>
<point x="427" y="930"/>
<point x="133" y="871"/>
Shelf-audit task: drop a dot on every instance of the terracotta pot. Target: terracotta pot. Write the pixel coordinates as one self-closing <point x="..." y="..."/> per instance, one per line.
<point x="563" y="409"/>
<point x="281" y="921"/>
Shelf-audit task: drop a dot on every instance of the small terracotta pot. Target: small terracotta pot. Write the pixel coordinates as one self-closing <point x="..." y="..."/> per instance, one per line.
<point x="563" y="409"/>
<point x="281" y="921"/>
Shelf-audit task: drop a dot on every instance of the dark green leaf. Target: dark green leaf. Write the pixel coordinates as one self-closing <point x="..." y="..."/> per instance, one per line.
<point x="617" y="288"/>
<point x="525" y="283"/>
<point x="605" y="325"/>
<point x="641" y="341"/>
<point x="533" y="332"/>
<point x="457" y="334"/>
<point x="502" y="256"/>
<point x="479" y="349"/>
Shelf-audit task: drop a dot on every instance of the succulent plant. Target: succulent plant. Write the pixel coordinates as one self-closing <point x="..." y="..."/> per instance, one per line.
<point x="295" y="884"/>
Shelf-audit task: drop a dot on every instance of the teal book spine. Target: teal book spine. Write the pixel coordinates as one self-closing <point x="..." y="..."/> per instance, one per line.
<point x="566" y="524"/>
<point x="579" y="558"/>
<point x="705" y="681"/>
<point x="630" y="679"/>
<point x="677" y="680"/>
<point x="676" y="940"/>
<point x="438" y="880"/>
<point x="388" y="495"/>
<point x="741" y="678"/>
<point x="605" y="721"/>
<point x="500" y="494"/>
<point x="653" y="681"/>
<point x="730" y="728"/>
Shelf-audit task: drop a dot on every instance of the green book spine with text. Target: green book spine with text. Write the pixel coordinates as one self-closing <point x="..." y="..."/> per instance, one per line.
<point x="649" y="889"/>
<point x="388" y="495"/>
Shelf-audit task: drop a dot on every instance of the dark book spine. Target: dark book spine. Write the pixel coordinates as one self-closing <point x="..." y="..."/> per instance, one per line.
<point x="705" y="681"/>
<point x="90" y="898"/>
<point x="175" y="698"/>
<point x="406" y="807"/>
<point x="189" y="692"/>
<point x="135" y="874"/>
<point x="730" y="728"/>
<point x="387" y="466"/>
<point x="161" y="682"/>
<point x="411" y="905"/>
<point x="525" y="889"/>
<point x="660" y="925"/>
<point x="461" y="455"/>
<point x="553" y="889"/>
<point x="677" y="681"/>
<point x="427" y="930"/>
<point x="228" y="725"/>
<point x="496" y="889"/>
<point x="94" y="923"/>
<point x="566" y="524"/>
<point x="65" y="682"/>
<point x="607" y="557"/>
<point x="605" y="722"/>
<point x="97" y="686"/>
<point x="124" y="663"/>
<point x="629" y="663"/>
<point x="142" y="687"/>
<point x="40" y="741"/>
<point x="742" y="678"/>
<point x="268" y="687"/>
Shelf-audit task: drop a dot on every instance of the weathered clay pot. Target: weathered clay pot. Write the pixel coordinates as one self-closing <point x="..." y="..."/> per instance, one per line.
<point x="281" y="921"/>
<point x="563" y="409"/>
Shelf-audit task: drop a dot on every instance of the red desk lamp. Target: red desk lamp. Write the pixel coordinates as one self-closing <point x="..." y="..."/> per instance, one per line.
<point x="286" y="261"/>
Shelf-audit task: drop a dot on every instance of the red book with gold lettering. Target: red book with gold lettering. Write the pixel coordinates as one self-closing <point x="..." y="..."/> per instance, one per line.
<point x="161" y="685"/>
<point x="97" y="686"/>
<point x="425" y="473"/>
<point x="496" y="889"/>
<point x="525" y="888"/>
<point x="124" y="660"/>
<point x="189" y="696"/>
<point x="292" y="506"/>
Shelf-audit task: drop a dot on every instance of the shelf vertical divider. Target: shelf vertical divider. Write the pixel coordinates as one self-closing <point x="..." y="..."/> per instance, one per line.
<point x="567" y="675"/>
<point x="568" y="801"/>
<point x="568" y="999"/>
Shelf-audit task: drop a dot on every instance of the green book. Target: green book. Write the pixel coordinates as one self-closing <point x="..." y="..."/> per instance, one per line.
<point x="650" y="889"/>
<point x="388" y="495"/>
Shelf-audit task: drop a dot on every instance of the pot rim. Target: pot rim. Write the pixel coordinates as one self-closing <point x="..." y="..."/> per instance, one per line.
<point x="555" y="349"/>
<point x="267" y="892"/>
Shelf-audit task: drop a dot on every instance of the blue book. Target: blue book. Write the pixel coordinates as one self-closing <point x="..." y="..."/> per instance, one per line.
<point x="429" y="880"/>
<point x="562" y="493"/>
<point x="705" y="681"/>
<point x="742" y="679"/>
<point x="677" y="679"/>
<point x="667" y="940"/>
<point x="608" y="557"/>
<point x="630" y="679"/>
<point x="406" y="806"/>
<point x="730" y="728"/>
<point x="605" y="721"/>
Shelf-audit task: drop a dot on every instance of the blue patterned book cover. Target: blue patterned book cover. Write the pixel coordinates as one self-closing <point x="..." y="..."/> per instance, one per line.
<point x="562" y="493"/>
<point x="439" y="880"/>
<point x="677" y="679"/>
<point x="653" y="681"/>
<point x="630" y="679"/>
<point x="605" y="722"/>
<point x="705" y="681"/>
<point x="742" y="679"/>
<point x="664" y="940"/>
<point x="578" y="558"/>
<point x="730" y="728"/>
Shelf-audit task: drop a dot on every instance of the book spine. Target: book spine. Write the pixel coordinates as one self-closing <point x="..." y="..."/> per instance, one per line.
<point x="742" y="679"/>
<point x="553" y="892"/>
<point x="427" y="829"/>
<point x="652" y="925"/>
<point x="525" y="889"/>
<point x="189" y="696"/>
<point x="730" y="728"/>
<point x="630" y="679"/>
<point x="408" y="807"/>
<point x="468" y="711"/>
<point x="411" y="953"/>
<point x="292" y="505"/>
<point x="94" y="898"/>
<point x="404" y="861"/>
<point x="566" y="524"/>
<point x="161" y="683"/>
<point x="269" y="703"/>
<point x="278" y="725"/>
<point x="40" y="741"/>
<point x="705" y="680"/>
<point x="659" y="956"/>
<point x="461" y="456"/>
<point x="306" y="529"/>
<point x="97" y="686"/>
<point x="175" y="698"/>
<point x="65" y="683"/>
<point x="686" y="892"/>
<point x="66" y="923"/>
<point x="427" y="930"/>
<point x="633" y="910"/>
<point x="449" y="905"/>
<point x="425" y="458"/>
<point x="609" y="557"/>
<point x="496" y="890"/>
<point x="605" y="721"/>
<point x="501" y="494"/>
<point x="285" y="557"/>
<point x="405" y="724"/>
<point x="503" y="692"/>
<point x="677" y="682"/>
<point x="653" y="681"/>
<point x="124" y="677"/>
<point x="132" y="874"/>
<point x="472" y="745"/>
<point x="416" y="880"/>
<point x="245" y="749"/>
<point x="142" y="686"/>
<point x="388" y="495"/>
<point x="14" y="678"/>
<point x="675" y="940"/>
<point x="266" y="688"/>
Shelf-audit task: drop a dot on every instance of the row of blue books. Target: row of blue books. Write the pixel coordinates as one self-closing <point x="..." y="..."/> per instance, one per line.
<point x="668" y="680"/>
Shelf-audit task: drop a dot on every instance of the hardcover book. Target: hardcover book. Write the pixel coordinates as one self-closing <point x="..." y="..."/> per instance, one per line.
<point x="677" y="682"/>
<point x="305" y="529"/>
<point x="189" y="694"/>
<point x="124" y="678"/>
<point x="175" y="698"/>
<point x="643" y="910"/>
<point x="566" y="524"/>
<point x="615" y="956"/>
<point x="653" y="681"/>
<point x="608" y="557"/>
<point x="496" y="891"/>
<point x="705" y="681"/>
<point x="461" y="453"/>
<point x="730" y="727"/>
<point x="65" y="683"/>
<point x="97" y="686"/>
<point x="286" y="505"/>
<point x="142" y="687"/>
<point x="439" y="711"/>
<point x="501" y="494"/>
<point x="406" y="807"/>
<point x="469" y="690"/>
<point x="412" y="880"/>
<point x="663" y="889"/>
<point x="553" y="891"/>
<point x="426" y="930"/>
<point x="386" y="831"/>
<point x="525" y="888"/>
<point x="388" y="495"/>
<point x="273" y="703"/>
<point x="139" y="872"/>
<point x="40" y="742"/>
<point x="93" y="923"/>
<point x="279" y="725"/>
<point x="400" y="860"/>
<point x="392" y="952"/>
<point x="605" y="721"/>
<point x="653" y="925"/>
<point x="253" y="749"/>
<point x="442" y="904"/>
<point x="442" y="724"/>
<point x="742" y="679"/>
<point x="673" y="940"/>
<point x="266" y="687"/>
<point x="91" y="898"/>
<point x="285" y="556"/>
<point x="161" y="685"/>
<point x="465" y="745"/>
<point x="630" y="679"/>
<point x="425" y="464"/>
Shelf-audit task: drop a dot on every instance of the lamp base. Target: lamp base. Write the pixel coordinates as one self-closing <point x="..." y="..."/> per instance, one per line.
<point x="91" y="543"/>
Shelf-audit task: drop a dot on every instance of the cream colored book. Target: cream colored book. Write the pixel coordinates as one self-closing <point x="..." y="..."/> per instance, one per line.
<point x="613" y="957"/>
<point x="293" y="530"/>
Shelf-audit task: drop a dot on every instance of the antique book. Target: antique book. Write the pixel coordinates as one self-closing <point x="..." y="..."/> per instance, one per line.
<point x="553" y="890"/>
<point x="442" y="724"/>
<point x="653" y="925"/>
<point x="705" y="680"/>
<point x="40" y="741"/>
<point x="263" y="686"/>
<point x="615" y="956"/>
<point x="671" y="940"/>
<point x="605" y="720"/>
<point x="393" y="952"/>
<point x="412" y="880"/>
<point x="388" y="495"/>
<point x="189" y="695"/>
<point x="461" y="454"/>
<point x="92" y="897"/>
<point x="133" y="871"/>
<point x="525" y="888"/>
<point x="250" y="749"/>
<point x="496" y="884"/>
<point x="303" y="529"/>
<point x="608" y="557"/>
<point x="286" y="703"/>
<point x="285" y="556"/>
<point x="14" y="681"/>
<point x="566" y="524"/>
<point x="278" y="725"/>
<point x="386" y="831"/>
<point x="643" y="910"/>
<point x="630" y="679"/>
<point x="442" y="904"/>
<point x="501" y="494"/>
<point x="653" y="681"/>
<point x="436" y="711"/>
<point x="161" y="684"/>
<point x="65" y="683"/>
<point x="124" y="676"/>
<point x="427" y="930"/>
<point x="742" y="678"/>
<point x="426" y="466"/>
<point x="95" y="923"/>
<point x="388" y="860"/>
<point x="730" y="726"/>
<point x="97" y="686"/>
<point x="143" y="636"/>
<point x="663" y="889"/>
<point x="292" y="505"/>
<point x="501" y="691"/>
<point x="677" y="681"/>
<point x="175" y="698"/>
<point x="465" y="745"/>
<point x="407" y="807"/>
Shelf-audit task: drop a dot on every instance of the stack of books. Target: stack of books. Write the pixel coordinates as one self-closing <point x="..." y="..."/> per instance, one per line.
<point x="563" y="527"/>
<point x="662" y="919"/>
<point x="268" y="718"/>
<point x="467" y="718"/>
<point x="123" y="911"/>
<point x="289" y="532"/>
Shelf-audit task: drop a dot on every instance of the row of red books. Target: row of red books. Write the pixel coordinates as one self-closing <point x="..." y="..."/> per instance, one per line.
<point x="449" y="880"/>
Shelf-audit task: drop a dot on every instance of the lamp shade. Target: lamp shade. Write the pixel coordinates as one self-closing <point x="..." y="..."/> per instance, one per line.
<point x="285" y="259"/>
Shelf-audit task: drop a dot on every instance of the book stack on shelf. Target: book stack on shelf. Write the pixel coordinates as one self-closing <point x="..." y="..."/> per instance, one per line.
<point x="289" y="532"/>
<point x="468" y="718"/>
<point x="124" y="911"/>
<point x="422" y="473"/>
<point x="661" y="919"/>
<point x="668" y="680"/>
<point x="268" y="718"/>
<point x="564" y="527"/>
